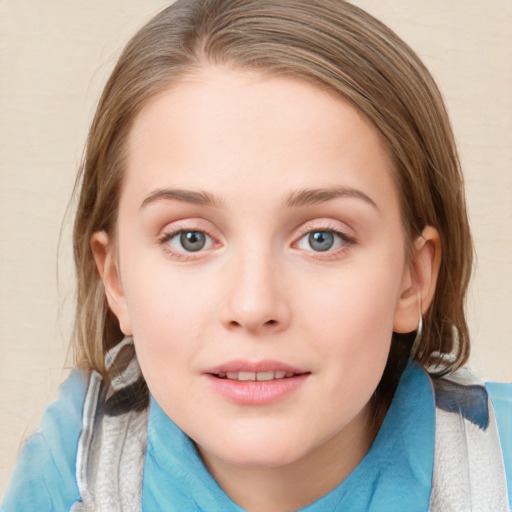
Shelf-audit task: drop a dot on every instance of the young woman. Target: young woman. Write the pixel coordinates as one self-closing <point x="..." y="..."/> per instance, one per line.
<point x="272" y="249"/>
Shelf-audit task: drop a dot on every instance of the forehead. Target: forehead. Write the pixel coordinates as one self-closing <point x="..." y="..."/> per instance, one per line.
<point x="231" y="131"/>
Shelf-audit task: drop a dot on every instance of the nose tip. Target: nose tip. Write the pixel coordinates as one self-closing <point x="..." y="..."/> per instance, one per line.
<point x="256" y="302"/>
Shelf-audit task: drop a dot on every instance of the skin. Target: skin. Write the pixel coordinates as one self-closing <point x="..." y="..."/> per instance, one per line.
<point x="259" y="290"/>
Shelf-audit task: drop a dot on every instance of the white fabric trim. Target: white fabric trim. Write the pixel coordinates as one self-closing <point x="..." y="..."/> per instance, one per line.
<point x="469" y="471"/>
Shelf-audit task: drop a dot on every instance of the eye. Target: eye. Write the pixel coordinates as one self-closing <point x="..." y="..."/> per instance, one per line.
<point x="188" y="241"/>
<point x="323" y="240"/>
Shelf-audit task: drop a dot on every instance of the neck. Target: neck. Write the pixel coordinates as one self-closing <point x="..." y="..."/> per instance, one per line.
<point x="300" y="483"/>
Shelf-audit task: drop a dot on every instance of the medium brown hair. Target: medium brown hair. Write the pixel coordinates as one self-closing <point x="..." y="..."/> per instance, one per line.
<point x="333" y="45"/>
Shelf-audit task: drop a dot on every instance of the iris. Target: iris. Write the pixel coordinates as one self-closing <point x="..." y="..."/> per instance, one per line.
<point x="321" y="240"/>
<point x="192" y="241"/>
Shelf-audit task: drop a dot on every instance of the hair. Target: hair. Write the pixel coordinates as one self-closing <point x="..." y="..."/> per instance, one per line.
<point x="332" y="45"/>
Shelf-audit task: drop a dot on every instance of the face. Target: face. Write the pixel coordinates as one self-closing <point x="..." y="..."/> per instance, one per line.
<point x="260" y="264"/>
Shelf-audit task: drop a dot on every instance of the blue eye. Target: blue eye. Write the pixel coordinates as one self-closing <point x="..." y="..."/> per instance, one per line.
<point x="192" y="241"/>
<point x="323" y="240"/>
<point x="189" y="241"/>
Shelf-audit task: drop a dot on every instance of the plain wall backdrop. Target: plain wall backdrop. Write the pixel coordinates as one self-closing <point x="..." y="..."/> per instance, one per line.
<point x="55" y="56"/>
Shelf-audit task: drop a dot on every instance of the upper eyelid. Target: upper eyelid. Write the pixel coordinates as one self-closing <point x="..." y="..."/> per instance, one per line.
<point x="309" y="229"/>
<point x="193" y="224"/>
<point x="325" y="224"/>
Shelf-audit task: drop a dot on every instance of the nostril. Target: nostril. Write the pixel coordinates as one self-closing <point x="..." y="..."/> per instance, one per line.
<point x="252" y="324"/>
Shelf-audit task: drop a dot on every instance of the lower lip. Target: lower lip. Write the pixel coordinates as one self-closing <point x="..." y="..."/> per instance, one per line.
<point x="256" y="392"/>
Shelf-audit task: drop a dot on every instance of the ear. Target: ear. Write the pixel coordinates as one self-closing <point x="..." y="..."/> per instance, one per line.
<point x="106" y="263"/>
<point x="419" y="281"/>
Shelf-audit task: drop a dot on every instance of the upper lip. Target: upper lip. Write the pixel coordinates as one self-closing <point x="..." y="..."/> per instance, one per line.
<point x="240" y="365"/>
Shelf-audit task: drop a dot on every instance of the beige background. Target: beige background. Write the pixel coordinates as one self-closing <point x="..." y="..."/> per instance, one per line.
<point x="54" y="58"/>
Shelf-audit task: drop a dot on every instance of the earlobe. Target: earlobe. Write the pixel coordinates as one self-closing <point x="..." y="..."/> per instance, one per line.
<point x="419" y="283"/>
<point x="106" y="263"/>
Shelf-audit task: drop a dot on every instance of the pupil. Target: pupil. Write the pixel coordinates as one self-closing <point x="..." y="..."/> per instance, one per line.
<point x="192" y="241"/>
<point x="321" y="240"/>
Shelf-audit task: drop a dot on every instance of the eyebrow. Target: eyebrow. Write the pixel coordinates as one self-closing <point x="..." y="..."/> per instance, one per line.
<point x="298" y="198"/>
<point x="321" y="195"/>
<point x="200" y="198"/>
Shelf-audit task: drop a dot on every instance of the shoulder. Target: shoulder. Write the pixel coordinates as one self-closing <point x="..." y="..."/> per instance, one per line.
<point x="44" y="475"/>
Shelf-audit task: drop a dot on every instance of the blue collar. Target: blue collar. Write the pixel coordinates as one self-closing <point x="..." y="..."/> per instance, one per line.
<point x="395" y="474"/>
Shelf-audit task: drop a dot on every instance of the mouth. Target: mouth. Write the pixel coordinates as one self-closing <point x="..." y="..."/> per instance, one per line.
<point x="248" y="383"/>
<point x="260" y="371"/>
<point x="245" y="376"/>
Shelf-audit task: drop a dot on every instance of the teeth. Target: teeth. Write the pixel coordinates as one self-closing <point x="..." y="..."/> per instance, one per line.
<point x="265" y="376"/>
<point x="255" y="376"/>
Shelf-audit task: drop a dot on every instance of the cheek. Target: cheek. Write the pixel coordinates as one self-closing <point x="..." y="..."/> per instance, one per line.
<point x="164" y="299"/>
<point x="353" y="327"/>
<point x="167" y="315"/>
<point x="348" y="305"/>
<point x="167" y="326"/>
<point x="351" y="315"/>
<point x="171" y="311"/>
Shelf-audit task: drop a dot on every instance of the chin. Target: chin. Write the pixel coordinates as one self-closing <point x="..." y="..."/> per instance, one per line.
<point x="256" y="453"/>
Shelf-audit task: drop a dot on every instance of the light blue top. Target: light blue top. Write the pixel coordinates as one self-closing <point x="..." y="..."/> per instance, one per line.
<point x="394" y="475"/>
<point x="501" y="396"/>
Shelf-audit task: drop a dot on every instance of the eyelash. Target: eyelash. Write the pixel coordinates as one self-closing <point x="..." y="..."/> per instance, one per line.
<point x="345" y="240"/>
<point x="166" y="238"/>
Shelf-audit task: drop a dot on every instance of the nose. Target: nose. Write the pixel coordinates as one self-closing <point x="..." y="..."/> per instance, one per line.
<point x="256" y="299"/>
